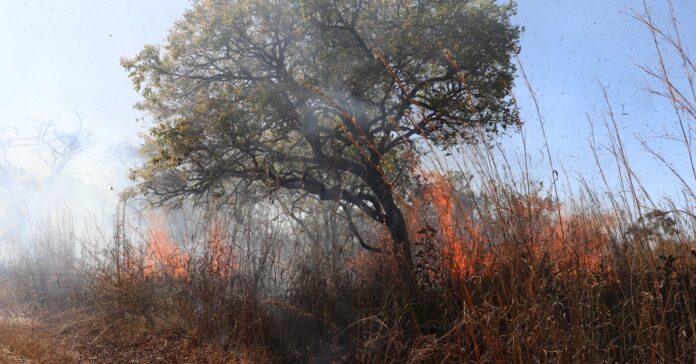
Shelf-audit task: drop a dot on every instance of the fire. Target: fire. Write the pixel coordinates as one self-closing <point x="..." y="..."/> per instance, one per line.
<point x="163" y="255"/>
<point x="221" y="255"/>
<point x="571" y="242"/>
<point x="584" y="241"/>
<point x="461" y="249"/>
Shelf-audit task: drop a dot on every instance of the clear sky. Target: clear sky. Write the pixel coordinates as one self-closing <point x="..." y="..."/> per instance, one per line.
<point x="568" y="49"/>
<point x="59" y="63"/>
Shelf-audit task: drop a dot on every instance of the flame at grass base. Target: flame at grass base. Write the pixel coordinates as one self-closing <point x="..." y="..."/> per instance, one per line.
<point x="458" y="238"/>
<point x="164" y="257"/>
<point x="529" y="224"/>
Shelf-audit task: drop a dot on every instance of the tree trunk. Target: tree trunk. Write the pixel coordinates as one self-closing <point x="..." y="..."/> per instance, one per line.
<point x="402" y="250"/>
<point x="395" y="222"/>
<point x="399" y="233"/>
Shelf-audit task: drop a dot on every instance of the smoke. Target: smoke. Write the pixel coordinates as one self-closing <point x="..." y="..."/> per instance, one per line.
<point x="52" y="169"/>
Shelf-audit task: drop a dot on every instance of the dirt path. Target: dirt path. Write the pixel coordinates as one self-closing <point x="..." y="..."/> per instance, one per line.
<point x="80" y="339"/>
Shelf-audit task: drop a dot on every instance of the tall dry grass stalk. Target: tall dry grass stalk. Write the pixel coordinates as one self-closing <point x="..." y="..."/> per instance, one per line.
<point x="508" y="269"/>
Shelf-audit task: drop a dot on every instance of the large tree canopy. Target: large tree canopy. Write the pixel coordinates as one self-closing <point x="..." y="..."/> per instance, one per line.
<point x="333" y="99"/>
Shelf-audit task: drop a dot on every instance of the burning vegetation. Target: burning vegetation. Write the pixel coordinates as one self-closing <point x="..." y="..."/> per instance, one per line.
<point x="165" y="257"/>
<point x="284" y="212"/>
<point x="454" y="229"/>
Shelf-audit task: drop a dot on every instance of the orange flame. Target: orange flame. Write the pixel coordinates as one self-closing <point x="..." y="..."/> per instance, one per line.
<point x="571" y="241"/>
<point x="584" y="241"/>
<point x="575" y="241"/>
<point x="163" y="255"/>
<point x="460" y="238"/>
<point x="221" y="256"/>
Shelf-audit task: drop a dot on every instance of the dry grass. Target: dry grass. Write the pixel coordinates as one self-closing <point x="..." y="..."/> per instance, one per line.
<point x="25" y="341"/>
<point x="507" y="272"/>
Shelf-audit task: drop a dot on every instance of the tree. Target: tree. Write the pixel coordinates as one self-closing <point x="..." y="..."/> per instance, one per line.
<point x="58" y="147"/>
<point x="323" y="98"/>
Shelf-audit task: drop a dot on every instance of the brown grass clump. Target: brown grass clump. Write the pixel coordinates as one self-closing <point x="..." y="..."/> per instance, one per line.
<point x="507" y="271"/>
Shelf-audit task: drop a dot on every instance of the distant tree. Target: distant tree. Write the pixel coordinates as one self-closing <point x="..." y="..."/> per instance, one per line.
<point x="333" y="99"/>
<point x="60" y="146"/>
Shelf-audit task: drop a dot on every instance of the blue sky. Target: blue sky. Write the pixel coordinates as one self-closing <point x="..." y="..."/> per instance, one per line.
<point x="568" y="49"/>
<point x="59" y="63"/>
